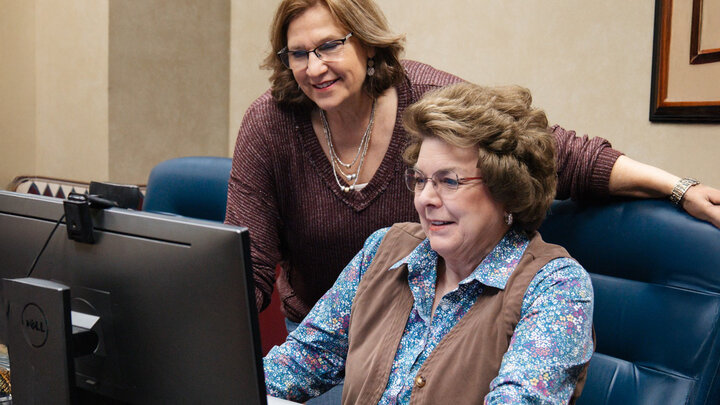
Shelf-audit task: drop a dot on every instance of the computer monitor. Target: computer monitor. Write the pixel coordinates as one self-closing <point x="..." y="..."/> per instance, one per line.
<point x="174" y="297"/>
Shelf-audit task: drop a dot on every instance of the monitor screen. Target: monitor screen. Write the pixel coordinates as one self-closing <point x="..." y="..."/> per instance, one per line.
<point x="174" y="298"/>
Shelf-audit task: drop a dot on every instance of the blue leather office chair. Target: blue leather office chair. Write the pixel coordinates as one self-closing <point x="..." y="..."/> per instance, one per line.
<point x="656" y="276"/>
<point x="194" y="186"/>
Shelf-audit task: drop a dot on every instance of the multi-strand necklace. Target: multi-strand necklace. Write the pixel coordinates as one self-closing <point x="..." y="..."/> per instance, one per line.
<point x="338" y="164"/>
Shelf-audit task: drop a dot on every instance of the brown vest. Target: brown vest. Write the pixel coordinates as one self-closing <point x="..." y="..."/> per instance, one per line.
<point x="459" y="370"/>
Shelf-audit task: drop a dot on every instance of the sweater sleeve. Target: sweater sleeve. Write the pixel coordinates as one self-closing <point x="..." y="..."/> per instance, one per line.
<point x="583" y="165"/>
<point x="252" y="202"/>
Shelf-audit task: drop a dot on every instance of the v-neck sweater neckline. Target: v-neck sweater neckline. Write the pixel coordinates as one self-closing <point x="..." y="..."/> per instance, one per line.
<point x="389" y="165"/>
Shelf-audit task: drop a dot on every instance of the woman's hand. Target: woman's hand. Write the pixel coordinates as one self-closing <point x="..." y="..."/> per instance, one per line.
<point x="635" y="179"/>
<point x="703" y="202"/>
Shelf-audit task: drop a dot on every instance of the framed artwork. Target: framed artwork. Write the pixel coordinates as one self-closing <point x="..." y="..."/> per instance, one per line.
<point x="702" y="32"/>
<point x="686" y="62"/>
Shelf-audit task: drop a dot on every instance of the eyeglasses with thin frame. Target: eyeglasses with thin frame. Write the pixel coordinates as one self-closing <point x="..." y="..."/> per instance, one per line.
<point x="444" y="180"/>
<point x="330" y="51"/>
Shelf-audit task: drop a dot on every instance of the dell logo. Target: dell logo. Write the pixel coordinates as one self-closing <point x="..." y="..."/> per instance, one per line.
<point x="34" y="325"/>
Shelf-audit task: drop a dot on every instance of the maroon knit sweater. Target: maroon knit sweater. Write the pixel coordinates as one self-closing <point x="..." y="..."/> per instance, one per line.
<point x="282" y="188"/>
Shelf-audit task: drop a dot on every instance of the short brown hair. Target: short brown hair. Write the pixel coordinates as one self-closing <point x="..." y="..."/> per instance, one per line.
<point x="361" y="17"/>
<point x="516" y="148"/>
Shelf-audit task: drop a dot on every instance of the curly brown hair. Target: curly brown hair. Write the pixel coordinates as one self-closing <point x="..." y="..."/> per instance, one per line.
<point x="361" y="17"/>
<point x="516" y="149"/>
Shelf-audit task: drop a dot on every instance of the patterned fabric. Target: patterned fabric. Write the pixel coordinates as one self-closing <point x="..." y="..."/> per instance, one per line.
<point x="58" y="188"/>
<point x="551" y="342"/>
<point x="48" y="187"/>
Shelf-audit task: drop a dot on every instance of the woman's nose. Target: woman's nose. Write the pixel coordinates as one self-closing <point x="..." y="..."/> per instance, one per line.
<point x="428" y="195"/>
<point x="315" y="65"/>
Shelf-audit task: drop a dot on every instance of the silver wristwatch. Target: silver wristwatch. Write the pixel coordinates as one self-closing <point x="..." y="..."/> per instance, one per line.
<point x="680" y="188"/>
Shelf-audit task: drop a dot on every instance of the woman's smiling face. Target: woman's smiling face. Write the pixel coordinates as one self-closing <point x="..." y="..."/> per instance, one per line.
<point x="463" y="225"/>
<point x="336" y="85"/>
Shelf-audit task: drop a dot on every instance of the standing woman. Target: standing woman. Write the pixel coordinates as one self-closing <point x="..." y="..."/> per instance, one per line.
<point x="318" y="167"/>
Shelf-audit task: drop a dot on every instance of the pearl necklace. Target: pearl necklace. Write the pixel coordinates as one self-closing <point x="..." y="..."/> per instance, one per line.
<point x="335" y="161"/>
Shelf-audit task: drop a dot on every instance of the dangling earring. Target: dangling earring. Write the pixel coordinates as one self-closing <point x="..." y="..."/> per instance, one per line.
<point x="509" y="218"/>
<point x="370" y="67"/>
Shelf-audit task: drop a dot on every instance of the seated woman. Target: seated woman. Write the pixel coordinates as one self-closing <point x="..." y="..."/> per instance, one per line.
<point x="470" y="304"/>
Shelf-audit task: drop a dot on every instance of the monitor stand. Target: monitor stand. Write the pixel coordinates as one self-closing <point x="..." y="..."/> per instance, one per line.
<point x="41" y="339"/>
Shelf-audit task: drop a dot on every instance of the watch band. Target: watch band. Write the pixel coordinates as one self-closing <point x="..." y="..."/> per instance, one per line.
<point x="680" y="189"/>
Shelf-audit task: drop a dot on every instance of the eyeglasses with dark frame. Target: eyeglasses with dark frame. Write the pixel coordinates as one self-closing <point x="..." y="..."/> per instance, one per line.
<point x="444" y="180"/>
<point x="330" y="51"/>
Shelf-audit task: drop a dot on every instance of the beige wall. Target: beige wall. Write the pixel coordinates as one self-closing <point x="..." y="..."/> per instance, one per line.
<point x="71" y="110"/>
<point x="587" y="63"/>
<point x="17" y="90"/>
<point x="249" y="43"/>
<point x="53" y="105"/>
<point x="169" y="83"/>
<point x="105" y="90"/>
